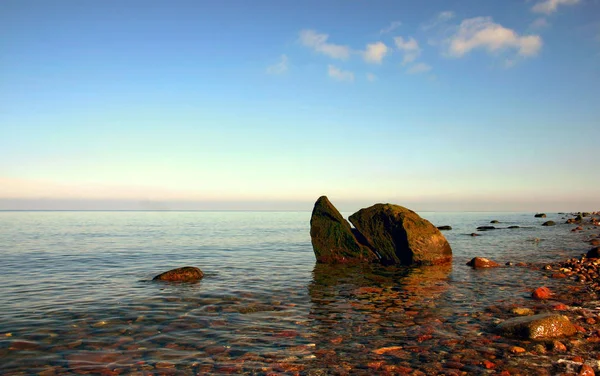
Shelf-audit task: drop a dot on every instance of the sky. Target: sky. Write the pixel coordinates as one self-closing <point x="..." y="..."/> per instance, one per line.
<point x="267" y="105"/>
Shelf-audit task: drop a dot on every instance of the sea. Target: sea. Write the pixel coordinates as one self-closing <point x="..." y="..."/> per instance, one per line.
<point x="77" y="296"/>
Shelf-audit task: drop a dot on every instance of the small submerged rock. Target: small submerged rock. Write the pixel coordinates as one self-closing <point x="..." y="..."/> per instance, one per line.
<point x="541" y="293"/>
<point x="521" y="311"/>
<point x="495" y="221"/>
<point x="486" y="228"/>
<point x="549" y="223"/>
<point x="540" y="215"/>
<point x="444" y="228"/>
<point x="541" y="326"/>
<point x="185" y="274"/>
<point x="482" y="262"/>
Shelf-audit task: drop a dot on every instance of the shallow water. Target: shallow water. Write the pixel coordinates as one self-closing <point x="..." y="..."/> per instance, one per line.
<point x="77" y="295"/>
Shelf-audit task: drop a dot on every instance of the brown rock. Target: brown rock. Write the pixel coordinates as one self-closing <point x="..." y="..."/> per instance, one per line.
<point x="185" y="274"/>
<point x="595" y="242"/>
<point x="541" y="293"/>
<point x="586" y="370"/>
<point x="332" y="237"/>
<point x="559" y="346"/>
<point x="401" y="237"/>
<point x="481" y="262"/>
<point x="541" y="326"/>
<point x="593" y="253"/>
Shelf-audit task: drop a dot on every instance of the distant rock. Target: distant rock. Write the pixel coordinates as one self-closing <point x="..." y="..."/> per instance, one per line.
<point x="482" y="262"/>
<point x="511" y="227"/>
<point x="184" y="274"/>
<point x="495" y="221"/>
<point x="595" y="242"/>
<point x="475" y="234"/>
<point x="541" y="326"/>
<point x="485" y="228"/>
<point x="444" y="228"/>
<point x="593" y="253"/>
<point x="540" y="215"/>
<point x="549" y="223"/>
<point x="332" y="237"/>
<point x="401" y="237"/>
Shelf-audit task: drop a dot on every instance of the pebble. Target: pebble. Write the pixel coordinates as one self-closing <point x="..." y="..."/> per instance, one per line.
<point x="541" y="293"/>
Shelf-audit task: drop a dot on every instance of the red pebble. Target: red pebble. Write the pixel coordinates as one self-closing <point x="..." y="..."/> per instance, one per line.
<point x="541" y="293"/>
<point x="560" y="307"/>
<point x="489" y="365"/>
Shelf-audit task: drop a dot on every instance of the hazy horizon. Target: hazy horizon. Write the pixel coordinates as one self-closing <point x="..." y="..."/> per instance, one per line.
<point x="437" y="105"/>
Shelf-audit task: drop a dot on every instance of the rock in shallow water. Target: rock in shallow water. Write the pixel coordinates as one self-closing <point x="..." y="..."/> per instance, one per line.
<point x="332" y="237"/>
<point x="482" y="262"/>
<point x="389" y="234"/>
<point x="401" y="237"/>
<point x="542" y="326"/>
<point x="185" y="274"/>
<point x="549" y="223"/>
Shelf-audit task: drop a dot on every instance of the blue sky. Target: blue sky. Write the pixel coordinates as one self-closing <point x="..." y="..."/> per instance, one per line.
<point x="436" y="105"/>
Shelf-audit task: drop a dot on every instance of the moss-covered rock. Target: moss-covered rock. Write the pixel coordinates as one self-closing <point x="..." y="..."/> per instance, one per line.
<point x="401" y="237"/>
<point x="332" y="237"/>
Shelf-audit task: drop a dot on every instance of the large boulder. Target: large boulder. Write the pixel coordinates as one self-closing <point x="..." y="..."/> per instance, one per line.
<point x="400" y="236"/>
<point x="185" y="274"/>
<point x="332" y="237"/>
<point x="542" y="326"/>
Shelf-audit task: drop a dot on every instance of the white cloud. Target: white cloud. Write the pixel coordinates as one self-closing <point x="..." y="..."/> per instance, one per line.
<point x="482" y="32"/>
<point x="280" y="67"/>
<point x="339" y="74"/>
<point x="393" y="26"/>
<point x="409" y="47"/>
<point x="539" y="23"/>
<point x="550" y="6"/>
<point x="371" y="77"/>
<point x="439" y="19"/>
<point x="375" y="52"/>
<point x="318" y="42"/>
<point x="418" y="68"/>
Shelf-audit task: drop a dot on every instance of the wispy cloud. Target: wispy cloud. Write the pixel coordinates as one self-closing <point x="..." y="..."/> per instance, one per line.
<point x="280" y="67"/>
<point x="539" y="23"/>
<point x="438" y="20"/>
<point x="391" y="27"/>
<point x="371" y="77"/>
<point x="418" y="68"/>
<point x="339" y="75"/>
<point x="409" y="48"/>
<point x="483" y="33"/>
<point x="550" y="6"/>
<point x="375" y="52"/>
<point x="318" y="42"/>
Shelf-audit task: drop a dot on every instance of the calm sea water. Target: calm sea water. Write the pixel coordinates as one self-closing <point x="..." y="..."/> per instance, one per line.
<point x="77" y="297"/>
